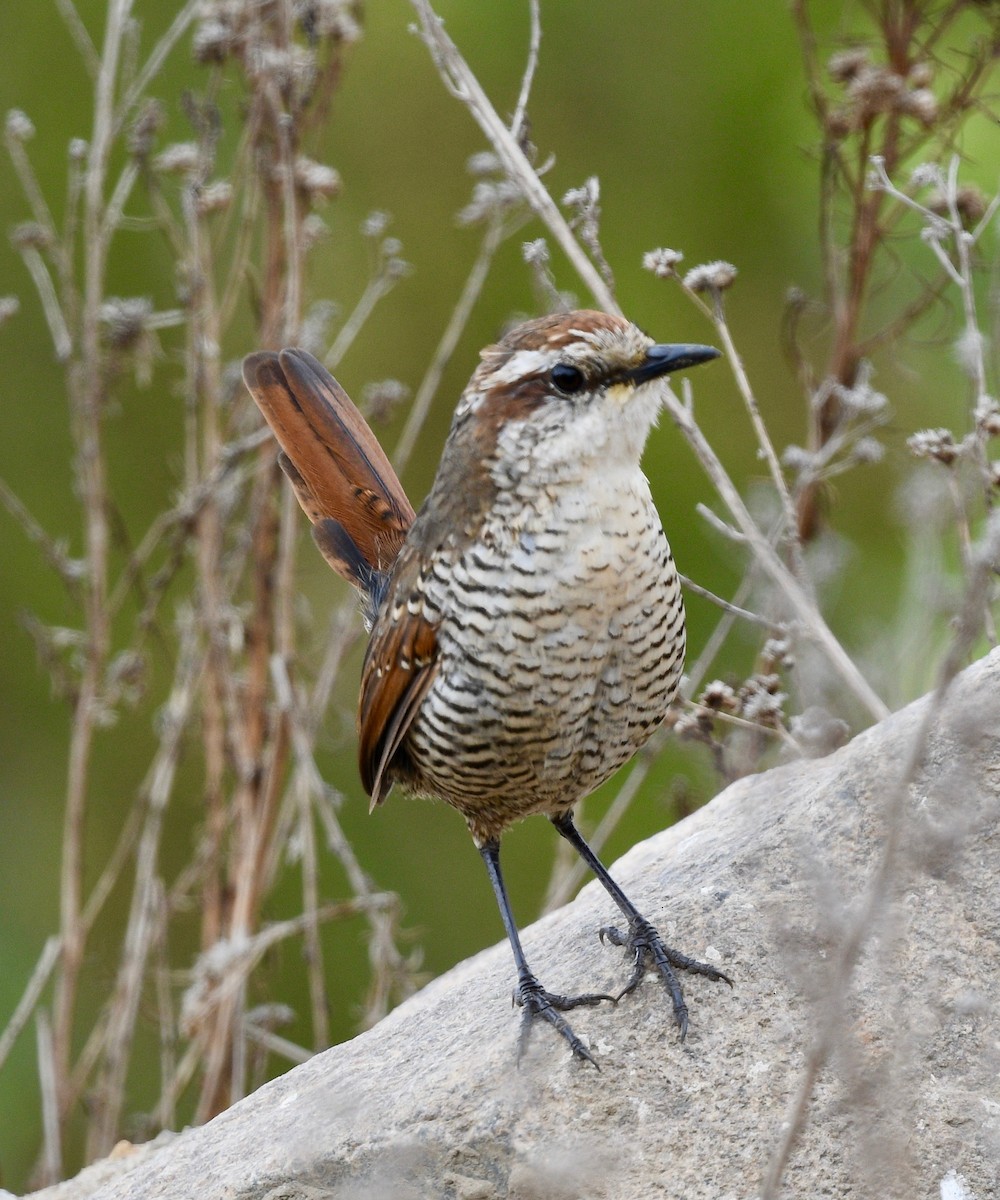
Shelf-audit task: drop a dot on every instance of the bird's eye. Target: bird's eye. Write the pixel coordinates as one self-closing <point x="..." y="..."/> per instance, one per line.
<point x="567" y="378"/>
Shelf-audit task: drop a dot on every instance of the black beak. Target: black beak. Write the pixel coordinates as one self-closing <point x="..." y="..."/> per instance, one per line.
<point x="664" y="360"/>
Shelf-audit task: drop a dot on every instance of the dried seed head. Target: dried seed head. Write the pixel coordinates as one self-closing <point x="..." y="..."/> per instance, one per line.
<point x="396" y="268"/>
<point x="798" y="459"/>
<point x="876" y="90"/>
<point x="78" y="150"/>
<point x="840" y="122"/>
<point x="970" y="349"/>
<point x="333" y="19"/>
<point x="375" y="224"/>
<point x="318" y="181"/>
<point x="761" y="700"/>
<point x="214" y="40"/>
<point x="777" y="653"/>
<point x="483" y="162"/>
<point x="489" y="197"/>
<point x="861" y="400"/>
<point x="711" y="277"/>
<point x="9" y="307"/>
<point x="662" y="262"/>
<point x="922" y="104"/>
<point x="921" y="75"/>
<point x="926" y="175"/>
<point x="938" y="444"/>
<point x="30" y="235"/>
<point x="720" y="697"/>
<point x="127" y="320"/>
<point x="19" y="127"/>
<point x="144" y="129"/>
<point x="214" y="197"/>
<point x="380" y="398"/>
<point x="536" y="252"/>
<point x="987" y="414"/>
<point x="585" y="198"/>
<point x="866" y="451"/>
<point x="846" y="64"/>
<point x="314" y="229"/>
<point x="292" y="69"/>
<point x="181" y="158"/>
<point x="970" y="202"/>
<point x="694" y="725"/>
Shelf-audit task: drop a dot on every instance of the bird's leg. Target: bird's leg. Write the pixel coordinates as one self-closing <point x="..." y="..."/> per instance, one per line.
<point x="534" y="1000"/>
<point x="642" y="939"/>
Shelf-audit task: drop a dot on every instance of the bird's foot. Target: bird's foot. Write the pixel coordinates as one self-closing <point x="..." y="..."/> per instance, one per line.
<point x="535" y="1001"/>
<point x="648" y="948"/>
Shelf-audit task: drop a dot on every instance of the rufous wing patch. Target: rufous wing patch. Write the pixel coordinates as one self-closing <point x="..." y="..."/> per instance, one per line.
<point x="399" y="667"/>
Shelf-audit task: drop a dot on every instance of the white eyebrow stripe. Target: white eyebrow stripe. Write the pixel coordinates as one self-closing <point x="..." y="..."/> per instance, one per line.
<point x="524" y="362"/>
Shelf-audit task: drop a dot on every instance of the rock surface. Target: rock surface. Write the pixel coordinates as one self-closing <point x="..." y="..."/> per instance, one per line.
<point x="769" y="881"/>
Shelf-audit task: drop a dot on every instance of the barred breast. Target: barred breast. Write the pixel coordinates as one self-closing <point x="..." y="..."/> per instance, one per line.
<point x="561" y="645"/>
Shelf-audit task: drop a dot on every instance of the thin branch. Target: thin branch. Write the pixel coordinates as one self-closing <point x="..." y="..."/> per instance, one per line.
<point x="78" y="31"/>
<point x="519" y="120"/>
<point x="154" y="64"/>
<point x="29" y="997"/>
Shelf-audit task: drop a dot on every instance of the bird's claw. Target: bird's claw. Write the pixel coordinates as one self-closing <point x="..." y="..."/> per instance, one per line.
<point x="535" y="1001"/>
<point x="646" y="944"/>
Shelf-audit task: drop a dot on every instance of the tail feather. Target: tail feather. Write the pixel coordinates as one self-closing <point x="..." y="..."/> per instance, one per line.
<point x="340" y="474"/>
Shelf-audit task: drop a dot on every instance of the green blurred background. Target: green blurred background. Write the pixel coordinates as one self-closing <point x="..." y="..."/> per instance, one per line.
<point x="695" y="119"/>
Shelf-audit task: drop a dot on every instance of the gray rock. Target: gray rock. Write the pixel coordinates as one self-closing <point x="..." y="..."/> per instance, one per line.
<point x="772" y="880"/>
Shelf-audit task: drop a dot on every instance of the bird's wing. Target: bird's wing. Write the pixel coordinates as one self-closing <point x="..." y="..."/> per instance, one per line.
<point x="399" y="667"/>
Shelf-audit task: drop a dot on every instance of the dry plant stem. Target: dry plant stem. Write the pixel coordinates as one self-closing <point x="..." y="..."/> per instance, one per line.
<point x="54" y="554"/>
<point x="790" y="537"/>
<point x="716" y="639"/>
<point x="108" y="1097"/>
<point x="85" y="47"/>
<point x="375" y="289"/>
<point x="731" y="607"/>
<point x="517" y="125"/>
<point x="58" y="330"/>
<point x="154" y="64"/>
<point x="87" y="399"/>
<point x="51" y="1164"/>
<point x="166" y="1013"/>
<point x="29" y="998"/>
<point x="463" y="84"/>
<point x="237" y="728"/>
<point x="862" y="924"/>
<point x="277" y="1045"/>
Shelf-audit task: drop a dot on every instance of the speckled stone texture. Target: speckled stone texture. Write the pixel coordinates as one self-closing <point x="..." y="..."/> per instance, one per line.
<point x="767" y="881"/>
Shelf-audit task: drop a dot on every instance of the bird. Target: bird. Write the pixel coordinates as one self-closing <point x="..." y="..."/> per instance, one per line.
<point x="527" y="629"/>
